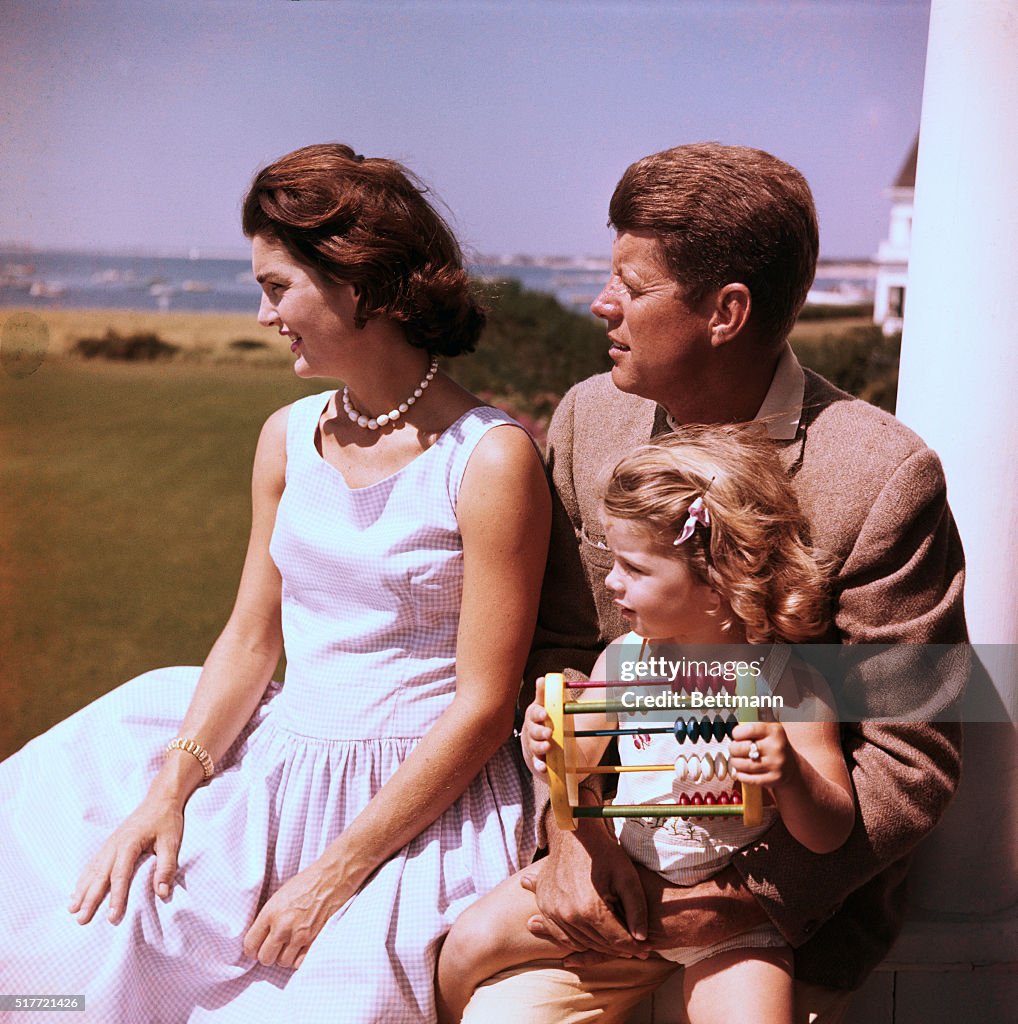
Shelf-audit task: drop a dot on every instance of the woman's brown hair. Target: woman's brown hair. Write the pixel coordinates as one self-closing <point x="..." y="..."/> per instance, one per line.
<point x="366" y="222"/>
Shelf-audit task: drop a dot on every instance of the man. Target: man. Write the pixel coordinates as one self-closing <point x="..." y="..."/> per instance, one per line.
<point x="715" y="251"/>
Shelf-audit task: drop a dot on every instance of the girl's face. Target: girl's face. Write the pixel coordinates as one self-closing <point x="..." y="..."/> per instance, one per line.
<point x="656" y="592"/>
<point x="315" y="315"/>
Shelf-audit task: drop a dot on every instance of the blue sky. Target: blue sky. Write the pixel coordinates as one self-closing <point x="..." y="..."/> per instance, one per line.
<point x="139" y="124"/>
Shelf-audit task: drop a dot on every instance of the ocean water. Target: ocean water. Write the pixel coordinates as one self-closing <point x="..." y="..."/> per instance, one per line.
<point x="79" y="280"/>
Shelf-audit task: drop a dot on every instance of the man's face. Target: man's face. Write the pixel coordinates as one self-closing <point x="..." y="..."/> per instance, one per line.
<point x="658" y="342"/>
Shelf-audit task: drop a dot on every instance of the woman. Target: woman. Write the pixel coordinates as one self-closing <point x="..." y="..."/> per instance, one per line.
<point x="299" y="850"/>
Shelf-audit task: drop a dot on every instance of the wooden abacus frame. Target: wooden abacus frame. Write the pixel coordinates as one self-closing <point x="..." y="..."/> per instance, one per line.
<point x="563" y="771"/>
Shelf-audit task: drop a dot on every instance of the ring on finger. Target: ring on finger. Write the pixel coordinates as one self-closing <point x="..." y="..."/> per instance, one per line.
<point x="754" y="751"/>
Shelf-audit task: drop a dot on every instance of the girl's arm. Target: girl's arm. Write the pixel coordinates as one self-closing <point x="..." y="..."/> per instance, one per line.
<point x="536" y="738"/>
<point x="803" y="766"/>
<point x="622" y="908"/>
<point x="503" y="513"/>
<point x="234" y="678"/>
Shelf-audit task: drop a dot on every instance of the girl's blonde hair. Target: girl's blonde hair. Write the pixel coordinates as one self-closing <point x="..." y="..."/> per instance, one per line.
<point x="755" y="554"/>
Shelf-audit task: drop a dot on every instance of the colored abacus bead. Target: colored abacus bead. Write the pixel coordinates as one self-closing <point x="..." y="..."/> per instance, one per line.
<point x="730" y="723"/>
<point x="697" y="800"/>
<point x="710" y="800"/>
<point x="680" y="730"/>
<point x="692" y="729"/>
<point x="684" y="800"/>
<point x="706" y="728"/>
<point x="719" y="728"/>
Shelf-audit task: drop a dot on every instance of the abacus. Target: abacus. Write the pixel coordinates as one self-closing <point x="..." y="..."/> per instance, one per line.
<point x="563" y="771"/>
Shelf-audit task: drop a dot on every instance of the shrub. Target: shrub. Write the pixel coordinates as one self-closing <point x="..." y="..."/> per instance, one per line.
<point x="144" y="346"/>
<point x="532" y="345"/>
<point x="823" y="311"/>
<point x="860" y="361"/>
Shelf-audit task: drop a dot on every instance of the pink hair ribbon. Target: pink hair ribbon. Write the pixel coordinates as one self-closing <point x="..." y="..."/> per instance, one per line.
<point x="697" y="514"/>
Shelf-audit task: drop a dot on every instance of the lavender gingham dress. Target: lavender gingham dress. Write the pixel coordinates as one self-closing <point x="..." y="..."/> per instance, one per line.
<point x="372" y="580"/>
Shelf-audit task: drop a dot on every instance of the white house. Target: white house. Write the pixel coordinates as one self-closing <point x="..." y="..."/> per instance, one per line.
<point x="892" y="256"/>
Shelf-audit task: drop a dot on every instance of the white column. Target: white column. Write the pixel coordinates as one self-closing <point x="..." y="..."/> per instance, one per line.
<point x="959" y="390"/>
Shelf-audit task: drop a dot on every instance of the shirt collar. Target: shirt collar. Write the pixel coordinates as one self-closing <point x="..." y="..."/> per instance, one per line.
<point x="781" y="409"/>
<point x="782" y="405"/>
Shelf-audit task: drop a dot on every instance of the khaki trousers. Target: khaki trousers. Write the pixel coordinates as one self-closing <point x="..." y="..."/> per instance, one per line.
<point x="545" y="992"/>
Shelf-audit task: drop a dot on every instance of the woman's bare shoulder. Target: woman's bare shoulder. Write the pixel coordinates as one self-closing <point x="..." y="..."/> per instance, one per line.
<point x="274" y="427"/>
<point x="506" y="451"/>
<point x="270" y="456"/>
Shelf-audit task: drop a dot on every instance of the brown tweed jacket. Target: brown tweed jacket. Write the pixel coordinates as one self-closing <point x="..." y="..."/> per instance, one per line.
<point x="875" y="498"/>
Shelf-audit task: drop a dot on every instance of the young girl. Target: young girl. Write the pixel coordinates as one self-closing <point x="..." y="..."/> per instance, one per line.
<point x="710" y="549"/>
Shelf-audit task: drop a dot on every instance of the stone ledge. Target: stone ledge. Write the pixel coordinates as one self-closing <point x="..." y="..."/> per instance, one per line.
<point x="956" y="942"/>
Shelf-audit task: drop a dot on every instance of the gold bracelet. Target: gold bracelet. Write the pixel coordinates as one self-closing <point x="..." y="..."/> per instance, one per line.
<point x="194" y="748"/>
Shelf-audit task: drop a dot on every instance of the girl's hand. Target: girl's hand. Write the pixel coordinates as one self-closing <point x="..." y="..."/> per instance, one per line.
<point x="536" y="736"/>
<point x="157" y="824"/>
<point x="777" y="764"/>
<point x="290" y="921"/>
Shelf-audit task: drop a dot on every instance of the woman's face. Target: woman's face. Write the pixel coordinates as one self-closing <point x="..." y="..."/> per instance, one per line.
<point x="658" y="342"/>
<point x="316" y="315"/>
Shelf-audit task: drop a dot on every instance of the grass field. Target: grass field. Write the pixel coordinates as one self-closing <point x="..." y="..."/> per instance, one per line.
<point x="125" y="505"/>
<point x="124" y="510"/>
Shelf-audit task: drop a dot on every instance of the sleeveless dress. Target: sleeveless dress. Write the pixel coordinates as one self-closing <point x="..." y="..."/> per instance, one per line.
<point x="372" y="580"/>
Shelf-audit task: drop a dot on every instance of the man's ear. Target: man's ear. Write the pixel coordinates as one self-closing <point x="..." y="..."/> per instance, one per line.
<point x="732" y="305"/>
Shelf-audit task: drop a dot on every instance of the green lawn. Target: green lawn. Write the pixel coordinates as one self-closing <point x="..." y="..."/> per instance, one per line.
<point x="124" y="511"/>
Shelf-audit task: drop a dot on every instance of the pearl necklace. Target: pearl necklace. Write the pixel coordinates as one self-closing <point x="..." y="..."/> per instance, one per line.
<point x="392" y="415"/>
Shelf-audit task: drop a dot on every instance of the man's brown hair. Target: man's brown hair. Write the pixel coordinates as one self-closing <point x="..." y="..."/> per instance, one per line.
<point x="727" y="214"/>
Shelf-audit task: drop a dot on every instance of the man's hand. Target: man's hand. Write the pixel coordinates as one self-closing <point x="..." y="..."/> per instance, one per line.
<point x="688" y="915"/>
<point x="589" y="894"/>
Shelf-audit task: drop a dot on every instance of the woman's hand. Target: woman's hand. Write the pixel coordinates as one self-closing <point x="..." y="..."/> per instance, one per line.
<point x="536" y="736"/>
<point x="157" y="825"/>
<point x="290" y="921"/>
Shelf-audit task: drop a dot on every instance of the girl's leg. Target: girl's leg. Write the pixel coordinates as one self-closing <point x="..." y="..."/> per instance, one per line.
<point x="489" y="936"/>
<point x="740" y="984"/>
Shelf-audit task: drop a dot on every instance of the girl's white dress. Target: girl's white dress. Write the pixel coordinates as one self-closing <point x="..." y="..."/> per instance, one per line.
<point x="688" y="850"/>
<point x="372" y="579"/>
